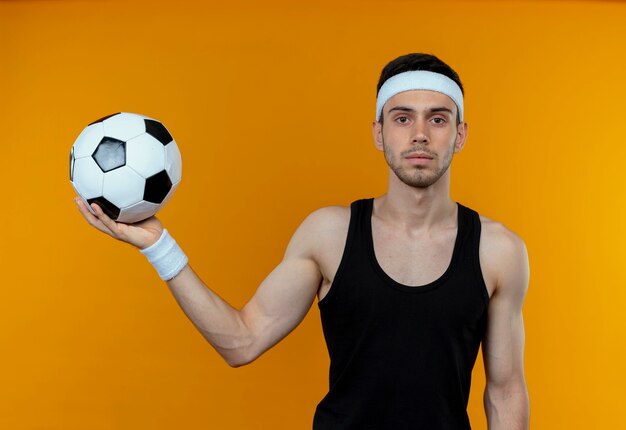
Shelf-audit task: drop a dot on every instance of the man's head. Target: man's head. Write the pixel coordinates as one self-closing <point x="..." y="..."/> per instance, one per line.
<point x="419" y="112"/>
<point x="413" y="62"/>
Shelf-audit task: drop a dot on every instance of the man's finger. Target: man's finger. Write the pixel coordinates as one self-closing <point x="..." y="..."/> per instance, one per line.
<point x="106" y="221"/>
<point x="91" y="218"/>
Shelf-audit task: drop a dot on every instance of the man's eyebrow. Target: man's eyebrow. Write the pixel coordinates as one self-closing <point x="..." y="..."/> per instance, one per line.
<point x="429" y="110"/>
<point x="440" y="109"/>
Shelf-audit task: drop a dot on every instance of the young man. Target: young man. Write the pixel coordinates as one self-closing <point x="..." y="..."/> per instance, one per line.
<point x="408" y="284"/>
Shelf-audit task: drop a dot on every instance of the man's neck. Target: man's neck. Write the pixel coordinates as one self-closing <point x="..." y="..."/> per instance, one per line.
<point x="417" y="210"/>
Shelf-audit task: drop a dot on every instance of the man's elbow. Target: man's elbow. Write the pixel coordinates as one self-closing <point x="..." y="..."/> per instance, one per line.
<point x="512" y="388"/>
<point x="238" y="361"/>
<point x="240" y="357"/>
<point x="507" y="405"/>
<point x="507" y="409"/>
<point x="248" y="347"/>
<point x="235" y="364"/>
<point x="240" y="350"/>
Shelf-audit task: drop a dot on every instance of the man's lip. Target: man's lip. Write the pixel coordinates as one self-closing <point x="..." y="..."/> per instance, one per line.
<point x="419" y="156"/>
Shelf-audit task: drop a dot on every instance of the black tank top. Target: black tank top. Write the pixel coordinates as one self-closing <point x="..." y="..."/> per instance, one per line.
<point x="401" y="357"/>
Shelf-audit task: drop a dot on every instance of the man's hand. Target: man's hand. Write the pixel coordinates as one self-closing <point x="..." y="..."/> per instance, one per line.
<point x="141" y="234"/>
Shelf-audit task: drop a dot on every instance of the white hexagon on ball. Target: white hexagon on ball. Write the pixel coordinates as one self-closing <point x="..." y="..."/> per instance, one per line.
<point x="88" y="140"/>
<point x="88" y="178"/>
<point x="138" y="211"/>
<point x="124" y="126"/>
<point x="123" y="187"/>
<point x="145" y="155"/>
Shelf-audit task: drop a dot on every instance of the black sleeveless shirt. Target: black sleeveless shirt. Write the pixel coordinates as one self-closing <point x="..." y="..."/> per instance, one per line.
<point x="401" y="357"/>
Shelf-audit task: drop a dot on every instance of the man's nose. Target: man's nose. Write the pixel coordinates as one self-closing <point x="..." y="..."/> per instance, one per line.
<point x="420" y="134"/>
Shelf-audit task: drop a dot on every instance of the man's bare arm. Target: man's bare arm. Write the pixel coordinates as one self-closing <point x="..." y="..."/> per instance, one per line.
<point x="278" y="306"/>
<point x="506" y="396"/>
<point x="280" y="303"/>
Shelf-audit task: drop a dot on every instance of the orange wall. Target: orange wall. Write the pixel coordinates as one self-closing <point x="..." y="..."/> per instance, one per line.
<point x="271" y="107"/>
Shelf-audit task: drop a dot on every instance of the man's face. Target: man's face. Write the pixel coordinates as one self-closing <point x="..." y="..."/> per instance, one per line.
<point x="419" y="122"/>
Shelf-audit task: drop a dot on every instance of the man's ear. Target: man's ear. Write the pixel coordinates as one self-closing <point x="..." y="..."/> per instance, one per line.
<point x="461" y="137"/>
<point x="377" y="131"/>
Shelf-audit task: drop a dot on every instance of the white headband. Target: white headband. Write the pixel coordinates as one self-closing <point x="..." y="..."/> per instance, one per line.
<point x="419" y="80"/>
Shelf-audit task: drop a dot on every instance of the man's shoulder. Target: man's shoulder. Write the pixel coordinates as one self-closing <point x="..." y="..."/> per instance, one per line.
<point x="502" y="251"/>
<point x="328" y="219"/>
<point x="499" y="237"/>
<point x="320" y="232"/>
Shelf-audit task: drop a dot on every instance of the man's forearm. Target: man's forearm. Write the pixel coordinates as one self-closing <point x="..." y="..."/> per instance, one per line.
<point x="220" y="324"/>
<point x="507" y="408"/>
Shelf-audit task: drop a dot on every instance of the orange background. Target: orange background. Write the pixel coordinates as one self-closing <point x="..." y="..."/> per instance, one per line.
<point x="271" y="106"/>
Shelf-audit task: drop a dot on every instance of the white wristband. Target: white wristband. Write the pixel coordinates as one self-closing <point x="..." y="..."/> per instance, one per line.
<point x="166" y="256"/>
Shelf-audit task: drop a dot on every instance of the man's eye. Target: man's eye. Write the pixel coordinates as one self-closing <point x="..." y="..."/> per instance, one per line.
<point x="402" y="119"/>
<point x="439" y="120"/>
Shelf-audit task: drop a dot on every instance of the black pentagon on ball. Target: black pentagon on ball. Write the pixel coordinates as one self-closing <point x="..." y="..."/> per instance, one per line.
<point x="104" y="117"/>
<point x="108" y="208"/>
<point x="157" y="187"/>
<point x="110" y="154"/>
<point x="72" y="164"/>
<point x="158" y="131"/>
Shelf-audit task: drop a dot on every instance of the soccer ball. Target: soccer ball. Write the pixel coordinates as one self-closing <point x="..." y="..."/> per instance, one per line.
<point x="128" y="164"/>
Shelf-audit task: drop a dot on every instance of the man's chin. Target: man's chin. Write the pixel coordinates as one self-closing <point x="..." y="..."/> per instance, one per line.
<point x="422" y="182"/>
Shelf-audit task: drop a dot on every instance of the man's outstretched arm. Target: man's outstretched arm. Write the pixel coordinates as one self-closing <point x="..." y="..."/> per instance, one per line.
<point x="278" y="306"/>
<point x="506" y="398"/>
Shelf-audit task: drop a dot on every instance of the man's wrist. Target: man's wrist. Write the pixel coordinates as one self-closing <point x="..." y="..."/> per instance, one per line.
<point x="166" y="256"/>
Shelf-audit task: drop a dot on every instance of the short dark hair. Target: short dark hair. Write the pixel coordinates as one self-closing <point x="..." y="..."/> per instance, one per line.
<point x="417" y="61"/>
